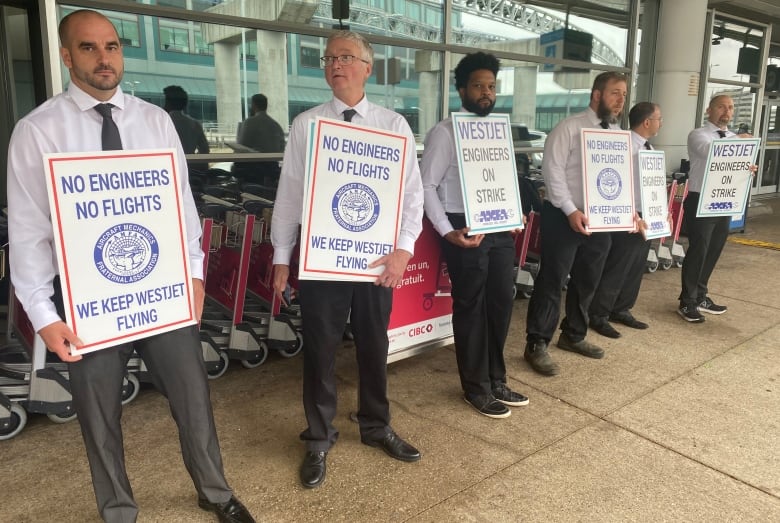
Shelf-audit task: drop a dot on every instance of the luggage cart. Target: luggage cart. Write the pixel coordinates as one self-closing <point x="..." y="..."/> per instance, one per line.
<point x="224" y="325"/>
<point x="665" y="257"/>
<point x="528" y="242"/>
<point x="34" y="380"/>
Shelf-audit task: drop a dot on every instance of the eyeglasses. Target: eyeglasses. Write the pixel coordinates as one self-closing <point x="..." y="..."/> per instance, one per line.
<point x="659" y="119"/>
<point x="344" y="59"/>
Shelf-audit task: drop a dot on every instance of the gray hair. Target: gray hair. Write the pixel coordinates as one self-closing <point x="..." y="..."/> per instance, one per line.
<point x="367" y="50"/>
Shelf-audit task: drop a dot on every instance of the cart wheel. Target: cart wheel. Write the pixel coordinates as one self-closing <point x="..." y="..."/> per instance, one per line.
<point x="130" y="388"/>
<point x="526" y="294"/>
<point x="15" y="424"/>
<point x="514" y="291"/>
<point x="251" y="363"/>
<point x="63" y="417"/>
<point x="289" y="353"/>
<point x="652" y="266"/>
<point x="222" y="366"/>
<point x="666" y="265"/>
<point x="678" y="263"/>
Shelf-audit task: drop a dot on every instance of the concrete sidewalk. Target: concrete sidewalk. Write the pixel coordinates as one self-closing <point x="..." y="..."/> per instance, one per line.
<point x="680" y="422"/>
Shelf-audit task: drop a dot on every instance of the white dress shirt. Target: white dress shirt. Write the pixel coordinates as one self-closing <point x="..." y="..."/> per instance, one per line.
<point x="699" y="141"/>
<point x="68" y="123"/>
<point x="441" y="176"/>
<point x="288" y="206"/>
<point x="562" y="163"/>
<point x="637" y="144"/>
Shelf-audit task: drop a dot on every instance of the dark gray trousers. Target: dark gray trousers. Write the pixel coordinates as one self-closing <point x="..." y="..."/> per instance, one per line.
<point x="176" y="367"/>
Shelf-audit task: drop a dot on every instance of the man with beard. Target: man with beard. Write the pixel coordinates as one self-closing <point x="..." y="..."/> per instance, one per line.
<point x="480" y="266"/>
<point x="568" y="248"/>
<point x="622" y="277"/>
<point x="95" y="114"/>
<point x="707" y="235"/>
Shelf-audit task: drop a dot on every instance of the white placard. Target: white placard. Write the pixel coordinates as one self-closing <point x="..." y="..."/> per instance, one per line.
<point x="353" y="200"/>
<point x="608" y="183"/>
<point x="727" y="177"/>
<point x="655" y="209"/>
<point x="121" y="244"/>
<point x="488" y="175"/>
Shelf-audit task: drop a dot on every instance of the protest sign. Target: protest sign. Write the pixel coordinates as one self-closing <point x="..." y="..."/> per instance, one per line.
<point x="727" y="177"/>
<point x="353" y="200"/>
<point x="121" y="244"/>
<point x="608" y="182"/>
<point x="655" y="211"/>
<point x="488" y="175"/>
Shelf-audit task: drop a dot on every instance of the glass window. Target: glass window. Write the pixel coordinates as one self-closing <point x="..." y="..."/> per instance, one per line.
<point x="174" y="36"/>
<point x="310" y="57"/>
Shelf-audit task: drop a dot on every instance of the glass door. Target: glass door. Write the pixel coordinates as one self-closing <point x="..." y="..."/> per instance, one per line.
<point x="766" y="179"/>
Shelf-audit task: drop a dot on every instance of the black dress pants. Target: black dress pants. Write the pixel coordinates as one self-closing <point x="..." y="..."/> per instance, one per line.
<point x="175" y="364"/>
<point x="325" y="308"/>
<point x="482" y="279"/>
<point x="622" y="276"/>
<point x="706" y="238"/>
<point x="564" y="252"/>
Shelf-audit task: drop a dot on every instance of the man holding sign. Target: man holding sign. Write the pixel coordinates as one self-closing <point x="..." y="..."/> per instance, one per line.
<point x="706" y="235"/>
<point x="622" y="276"/>
<point x="326" y="303"/>
<point x="568" y="247"/>
<point x="480" y="265"/>
<point x="73" y="122"/>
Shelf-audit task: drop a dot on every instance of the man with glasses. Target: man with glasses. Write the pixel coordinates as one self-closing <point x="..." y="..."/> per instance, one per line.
<point x="326" y="304"/>
<point x="622" y="275"/>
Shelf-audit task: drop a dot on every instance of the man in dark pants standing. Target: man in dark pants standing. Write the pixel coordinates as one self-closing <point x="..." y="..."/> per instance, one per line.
<point x="622" y="276"/>
<point x="568" y="248"/>
<point x="481" y="266"/>
<point x="707" y="235"/>
<point x="95" y="114"/>
<point x="326" y="304"/>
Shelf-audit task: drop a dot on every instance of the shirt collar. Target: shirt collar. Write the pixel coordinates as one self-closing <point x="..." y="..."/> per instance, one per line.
<point x="86" y="102"/>
<point x="361" y="107"/>
<point x="714" y="128"/>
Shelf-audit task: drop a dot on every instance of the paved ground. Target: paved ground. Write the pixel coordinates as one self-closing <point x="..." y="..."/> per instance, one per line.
<point x="677" y="423"/>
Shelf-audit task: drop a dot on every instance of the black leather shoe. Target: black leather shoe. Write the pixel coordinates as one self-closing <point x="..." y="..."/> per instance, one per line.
<point x="604" y="328"/>
<point x="313" y="469"/>
<point x="627" y="319"/>
<point x="395" y="447"/>
<point x="581" y="347"/>
<point x="232" y="511"/>
<point x="537" y="357"/>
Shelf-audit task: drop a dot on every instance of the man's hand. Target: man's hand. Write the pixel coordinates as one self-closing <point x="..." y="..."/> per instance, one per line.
<point x="460" y="238"/>
<point x="578" y="222"/>
<point x="281" y="275"/>
<point x="199" y="295"/>
<point x="395" y="265"/>
<point x="639" y="224"/>
<point x="59" y="339"/>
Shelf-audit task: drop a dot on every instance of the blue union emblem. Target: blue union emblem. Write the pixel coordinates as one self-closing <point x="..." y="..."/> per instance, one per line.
<point x="126" y="253"/>
<point x="355" y="207"/>
<point x="609" y="184"/>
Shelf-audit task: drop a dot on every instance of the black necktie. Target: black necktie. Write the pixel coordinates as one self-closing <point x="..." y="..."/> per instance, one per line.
<point x="348" y="114"/>
<point x="604" y="124"/>
<point x="647" y="145"/>
<point x="721" y="133"/>
<point x="110" y="132"/>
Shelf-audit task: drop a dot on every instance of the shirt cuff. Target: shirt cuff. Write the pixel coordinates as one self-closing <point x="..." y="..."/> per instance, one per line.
<point x="406" y="243"/>
<point x="568" y="207"/>
<point x="444" y="227"/>
<point x="43" y="314"/>
<point x="282" y="256"/>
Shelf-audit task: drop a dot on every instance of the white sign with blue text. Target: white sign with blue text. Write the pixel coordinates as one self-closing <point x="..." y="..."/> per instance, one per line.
<point x="727" y="177"/>
<point x="353" y="199"/>
<point x="121" y="244"/>
<point x="655" y="211"/>
<point x="488" y="175"/>
<point x="608" y="183"/>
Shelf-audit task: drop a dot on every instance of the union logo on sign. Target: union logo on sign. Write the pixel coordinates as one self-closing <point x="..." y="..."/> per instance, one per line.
<point x="355" y="207"/>
<point x="126" y="253"/>
<point x="609" y="184"/>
